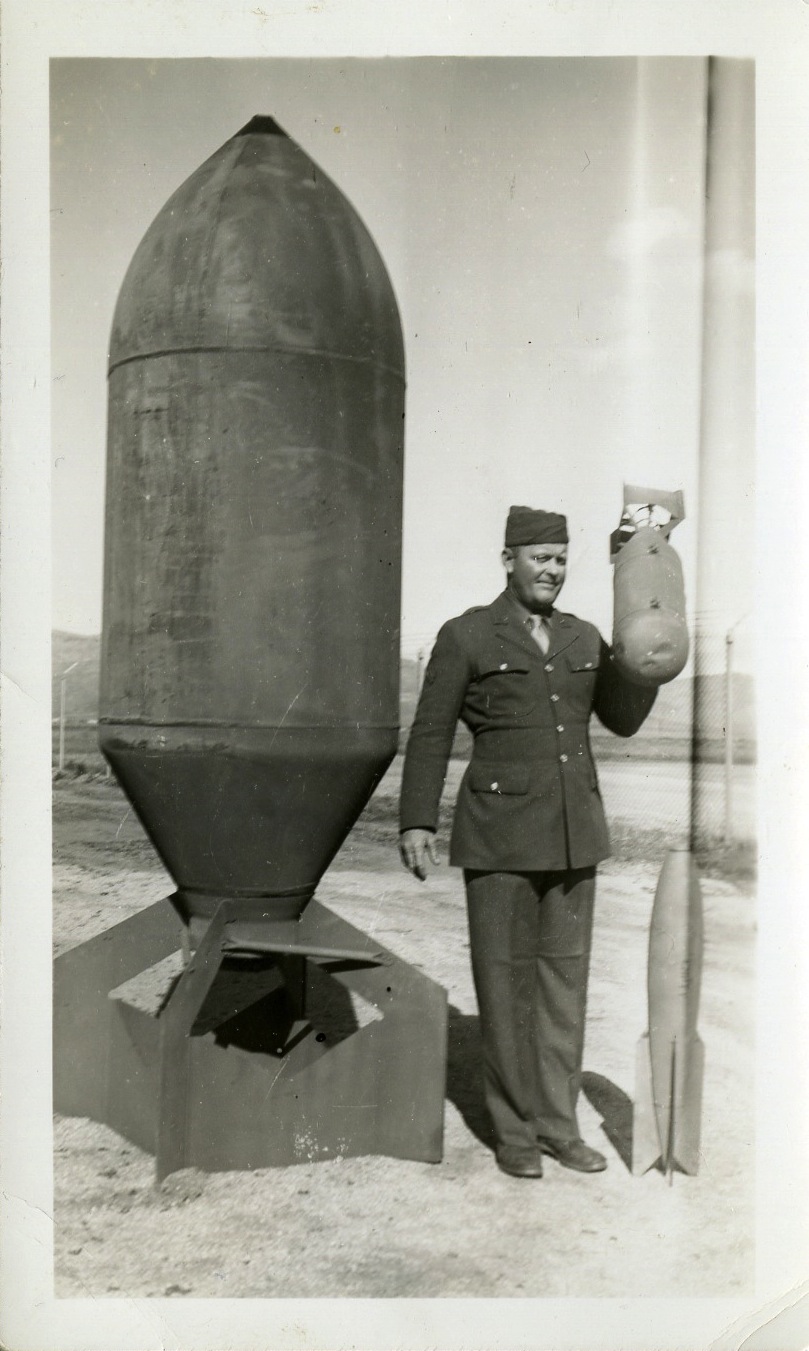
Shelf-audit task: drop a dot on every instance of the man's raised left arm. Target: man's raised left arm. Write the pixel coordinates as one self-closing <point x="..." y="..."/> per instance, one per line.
<point x="621" y="706"/>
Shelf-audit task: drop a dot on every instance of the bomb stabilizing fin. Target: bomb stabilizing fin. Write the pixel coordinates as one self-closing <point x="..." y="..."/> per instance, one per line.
<point x="670" y="1056"/>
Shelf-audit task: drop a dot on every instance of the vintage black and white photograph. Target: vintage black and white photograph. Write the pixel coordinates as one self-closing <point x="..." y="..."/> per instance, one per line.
<point x="406" y="734"/>
<point x="379" y="356"/>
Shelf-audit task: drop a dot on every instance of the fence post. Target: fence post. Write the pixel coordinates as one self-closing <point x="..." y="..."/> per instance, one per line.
<point x="728" y="736"/>
<point x="62" y="703"/>
<point x="62" y="724"/>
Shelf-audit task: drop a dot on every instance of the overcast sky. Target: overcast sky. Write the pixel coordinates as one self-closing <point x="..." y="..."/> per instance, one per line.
<point x="542" y="223"/>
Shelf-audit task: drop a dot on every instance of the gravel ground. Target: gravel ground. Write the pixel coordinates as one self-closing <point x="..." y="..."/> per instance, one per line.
<point x="380" y="1228"/>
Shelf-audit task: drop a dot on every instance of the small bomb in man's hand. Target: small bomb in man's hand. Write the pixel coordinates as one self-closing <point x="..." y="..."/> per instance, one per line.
<point x="650" y="636"/>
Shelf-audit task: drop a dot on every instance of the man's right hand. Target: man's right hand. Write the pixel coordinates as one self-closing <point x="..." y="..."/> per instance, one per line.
<point x="416" y="847"/>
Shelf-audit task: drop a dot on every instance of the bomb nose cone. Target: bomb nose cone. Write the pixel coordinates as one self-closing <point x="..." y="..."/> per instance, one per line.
<point x="261" y="125"/>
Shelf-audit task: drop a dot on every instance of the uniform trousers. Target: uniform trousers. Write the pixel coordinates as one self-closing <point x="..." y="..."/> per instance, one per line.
<point x="530" y="938"/>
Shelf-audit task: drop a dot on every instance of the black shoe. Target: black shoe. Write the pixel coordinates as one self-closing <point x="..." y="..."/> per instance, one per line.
<point x="519" y="1160"/>
<point x="574" y="1154"/>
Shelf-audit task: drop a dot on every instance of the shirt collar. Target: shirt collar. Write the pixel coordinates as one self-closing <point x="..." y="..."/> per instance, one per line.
<point x="523" y="613"/>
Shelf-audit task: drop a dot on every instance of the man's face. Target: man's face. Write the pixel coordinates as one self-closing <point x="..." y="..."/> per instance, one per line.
<point x="536" y="573"/>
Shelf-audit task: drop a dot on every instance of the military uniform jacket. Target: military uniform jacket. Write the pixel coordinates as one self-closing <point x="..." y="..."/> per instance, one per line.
<point x="529" y="800"/>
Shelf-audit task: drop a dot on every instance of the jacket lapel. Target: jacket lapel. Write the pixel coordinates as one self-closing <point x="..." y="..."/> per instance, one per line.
<point x="508" y="622"/>
<point x="564" y="628"/>
<point x="564" y="631"/>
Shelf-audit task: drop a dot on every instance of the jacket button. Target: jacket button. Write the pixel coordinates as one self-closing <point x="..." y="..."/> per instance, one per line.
<point x="563" y="758"/>
<point x="560" y="728"/>
<point x="504" y="666"/>
<point x="554" y="698"/>
<point x="587" y="665"/>
<point x="495" y="786"/>
<point x="548" y="667"/>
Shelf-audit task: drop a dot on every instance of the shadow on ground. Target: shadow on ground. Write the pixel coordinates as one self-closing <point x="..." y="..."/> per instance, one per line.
<point x="465" y="1089"/>
<point x="615" y="1109"/>
<point x="464" y="1076"/>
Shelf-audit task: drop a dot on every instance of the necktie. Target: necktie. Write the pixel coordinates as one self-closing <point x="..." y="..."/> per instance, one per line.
<point x="539" y="633"/>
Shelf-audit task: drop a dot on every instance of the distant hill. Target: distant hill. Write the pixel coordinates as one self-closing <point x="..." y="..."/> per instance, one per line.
<point x="81" y="691"/>
<point x="669" y="719"/>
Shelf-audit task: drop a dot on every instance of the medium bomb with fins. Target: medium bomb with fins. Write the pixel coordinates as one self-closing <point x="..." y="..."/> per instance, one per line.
<point x="650" y="637"/>
<point x="670" y="1056"/>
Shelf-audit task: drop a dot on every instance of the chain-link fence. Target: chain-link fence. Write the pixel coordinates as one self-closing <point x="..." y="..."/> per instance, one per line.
<point x="690" y="771"/>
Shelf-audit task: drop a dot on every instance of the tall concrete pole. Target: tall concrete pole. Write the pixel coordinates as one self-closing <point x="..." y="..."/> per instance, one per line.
<point x="727" y="424"/>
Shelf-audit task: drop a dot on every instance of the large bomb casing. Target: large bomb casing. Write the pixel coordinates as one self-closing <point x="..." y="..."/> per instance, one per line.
<point x="249" y="686"/>
<point x="650" y="633"/>
<point x="250" y="654"/>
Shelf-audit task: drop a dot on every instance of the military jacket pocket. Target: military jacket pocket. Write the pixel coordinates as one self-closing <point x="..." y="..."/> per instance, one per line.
<point x="508" y="779"/>
<point x="582" y="657"/>
<point x="503" y="688"/>
<point x="581" y="666"/>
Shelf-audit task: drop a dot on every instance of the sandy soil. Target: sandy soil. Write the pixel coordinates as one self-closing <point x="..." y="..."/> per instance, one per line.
<point x="377" y="1227"/>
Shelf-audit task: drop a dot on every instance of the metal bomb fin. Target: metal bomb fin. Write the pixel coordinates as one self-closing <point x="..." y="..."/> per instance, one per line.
<point x="668" y="1133"/>
<point x="646" y="1148"/>
<point x="687" y="1137"/>
<point x="647" y="508"/>
<point x="670" y="1056"/>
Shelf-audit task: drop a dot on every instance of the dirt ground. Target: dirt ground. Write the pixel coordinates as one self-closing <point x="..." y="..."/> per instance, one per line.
<point x="380" y="1228"/>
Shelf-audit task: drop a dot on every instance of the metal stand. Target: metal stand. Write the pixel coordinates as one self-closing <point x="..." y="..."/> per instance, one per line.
<point x="276" y="1044"/>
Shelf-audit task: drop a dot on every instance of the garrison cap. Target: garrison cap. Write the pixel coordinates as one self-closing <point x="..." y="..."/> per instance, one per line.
<point x="527" y="526"/>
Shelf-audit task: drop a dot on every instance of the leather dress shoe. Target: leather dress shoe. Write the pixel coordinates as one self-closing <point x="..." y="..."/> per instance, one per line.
<point x="574" y="1154"/>
<point x="519" y="1160"/>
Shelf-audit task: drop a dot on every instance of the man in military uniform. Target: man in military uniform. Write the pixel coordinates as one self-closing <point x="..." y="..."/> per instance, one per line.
<point x="528" y="831"/>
